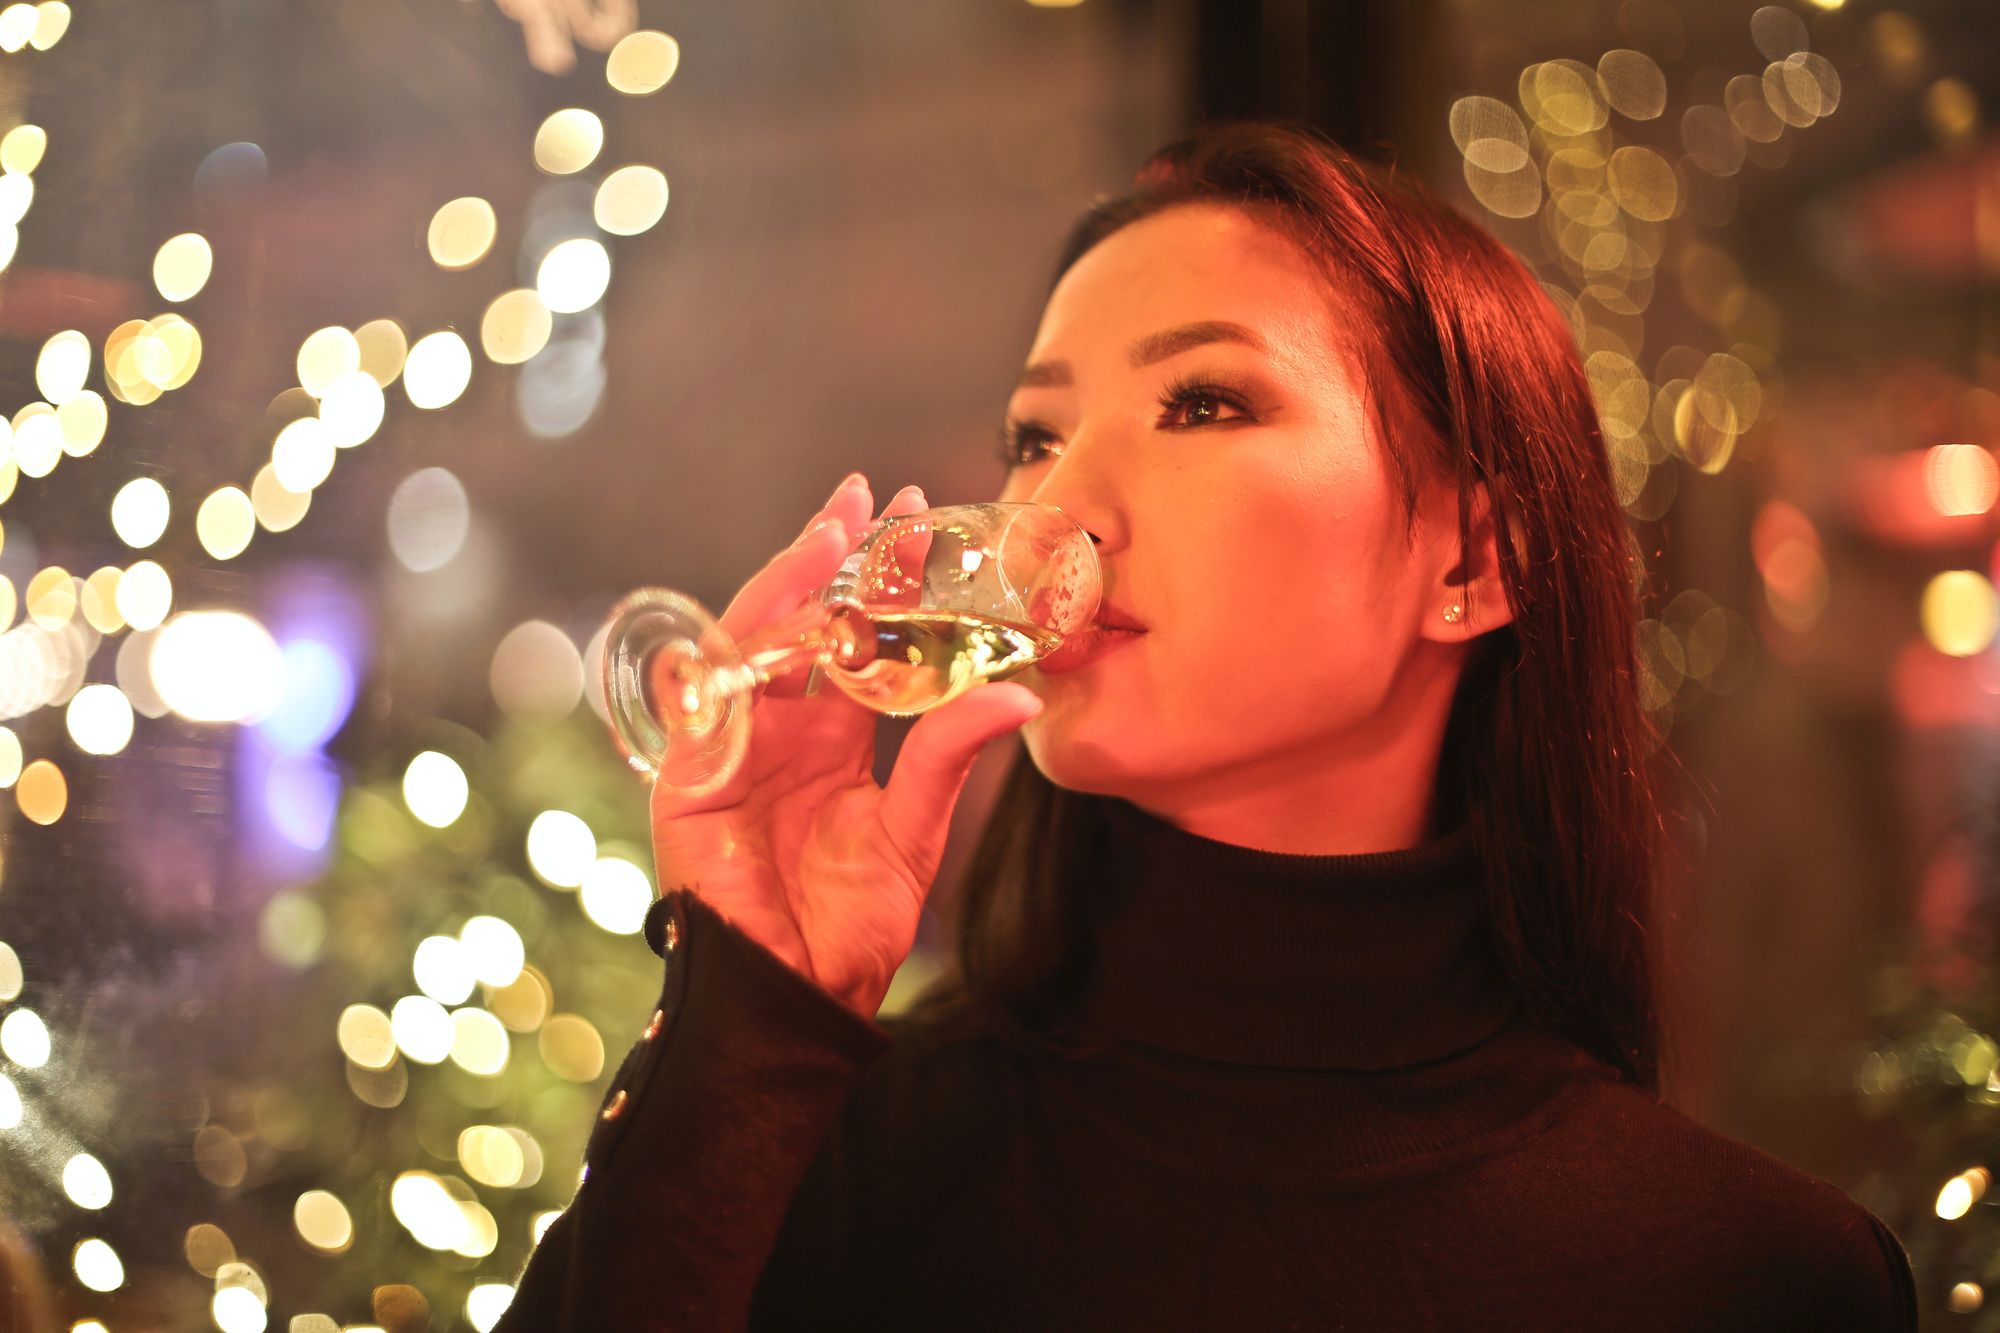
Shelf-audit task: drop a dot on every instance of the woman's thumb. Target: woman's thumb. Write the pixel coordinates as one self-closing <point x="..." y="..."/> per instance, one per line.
<point x="935" y="760"/>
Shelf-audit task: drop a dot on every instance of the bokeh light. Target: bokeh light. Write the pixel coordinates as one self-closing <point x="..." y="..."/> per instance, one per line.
<point x="97" y="1265"/>
<point x="485" y="1303"/>
<point x="437" y="370"/>
<point x="237" y="1310"/>
<point x="573" y="275"/>
<point x="478" y="1042"/>
<point x="24" y="1038"/>
<point x="443" y="969"/>
<point x="62" y="366"/>
<point x="568" y="141"/>
<point x="42" y="792"/>
<point x="217" y="666"/>
<point x="145" y="596"/>
<point x="225" y="522"/>
<point x="630" y="200"/>
<point x="278" y="509"/>
<point x="461" y="232"/>
<point x="181" y="267"/>
<point x="83" y="419"/>
<point x="561" y="848"/>
<point x="537" y="673"/>
<point x="422" y="1029"/>
<point x="1960" y="613"/>
<point x="99" y="719"/>
<point x="21" y="148"/>
<point x="495" y="949"/>
<point x="325" y="356"/>
<point x="615" y="895"/>
<point x="352" y="408"/>
<point x="571" y="1048"/>
<point x="86" y="1182"/>
<point x="515" y="327"/>
<point x="383" y="346"/>
<point x="366" y="1036"/>
<point x="435" y="789"/>
<point x="323" y="1221"/>
<point x="1961" y="479"/>
<point x="301" y="457"/>
<point x="429" y="519"/>
<point x="642" y="62"/>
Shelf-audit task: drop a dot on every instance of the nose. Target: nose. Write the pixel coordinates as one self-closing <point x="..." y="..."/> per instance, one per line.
<point x="1078" y="483"/>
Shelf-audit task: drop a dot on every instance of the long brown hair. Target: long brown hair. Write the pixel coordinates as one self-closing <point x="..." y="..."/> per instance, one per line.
<point x="1547" y="751"/>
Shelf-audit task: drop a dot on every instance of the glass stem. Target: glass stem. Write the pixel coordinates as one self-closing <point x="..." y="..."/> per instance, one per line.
<point x="798" y="641"/>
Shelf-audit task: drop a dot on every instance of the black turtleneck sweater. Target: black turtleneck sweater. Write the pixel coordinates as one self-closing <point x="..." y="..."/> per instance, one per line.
<point x="1318" y="1106"/>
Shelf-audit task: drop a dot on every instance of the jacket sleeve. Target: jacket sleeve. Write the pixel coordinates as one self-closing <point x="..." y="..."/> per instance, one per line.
<point x="1900" y="1309"/>
<point x="701" y="1140"/>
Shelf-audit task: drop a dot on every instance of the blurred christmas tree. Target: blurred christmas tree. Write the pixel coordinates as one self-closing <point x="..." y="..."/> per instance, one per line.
<point x="1933" y="1074"/>
<point x="468" y="970"/>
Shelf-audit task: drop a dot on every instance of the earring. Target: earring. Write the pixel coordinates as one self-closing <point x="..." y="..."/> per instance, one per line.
<point x="1453" y="612"/>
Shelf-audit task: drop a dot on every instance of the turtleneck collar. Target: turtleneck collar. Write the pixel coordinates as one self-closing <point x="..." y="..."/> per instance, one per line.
<point x="1241" y="956"/>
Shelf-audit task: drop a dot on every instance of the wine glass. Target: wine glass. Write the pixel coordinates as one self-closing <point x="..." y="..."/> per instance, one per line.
<point x="926" y="606"/>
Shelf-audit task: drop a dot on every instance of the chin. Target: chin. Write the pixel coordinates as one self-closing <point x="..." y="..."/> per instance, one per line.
<point x="1077" y="756"/>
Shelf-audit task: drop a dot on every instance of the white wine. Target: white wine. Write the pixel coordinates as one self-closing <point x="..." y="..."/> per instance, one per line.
<point x="925" y="656"/>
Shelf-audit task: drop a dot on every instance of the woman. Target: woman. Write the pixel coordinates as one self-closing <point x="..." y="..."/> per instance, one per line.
<point x="1302" y="976"/>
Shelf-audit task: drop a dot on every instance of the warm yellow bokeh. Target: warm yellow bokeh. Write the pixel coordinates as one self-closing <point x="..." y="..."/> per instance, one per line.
<point x="630" y="200"/>
<point x="226" y="522"/>
<point x="515" y="327"/>
<point x="461" y="232"/>
<point x="182" y="265"/>
<point x="642" y="62"/>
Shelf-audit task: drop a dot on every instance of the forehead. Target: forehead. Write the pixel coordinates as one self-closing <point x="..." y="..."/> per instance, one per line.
<point x="1190" y="262"/>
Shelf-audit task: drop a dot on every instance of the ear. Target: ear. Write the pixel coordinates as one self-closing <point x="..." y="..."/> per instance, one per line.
<point x="1469" y="577"/>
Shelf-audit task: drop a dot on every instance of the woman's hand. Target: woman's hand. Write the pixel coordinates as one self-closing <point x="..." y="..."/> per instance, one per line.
<point x="803" y="850"/>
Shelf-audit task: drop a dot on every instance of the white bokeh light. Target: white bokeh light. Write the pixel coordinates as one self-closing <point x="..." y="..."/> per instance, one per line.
<point x="216" y="666"/>
<point x="139" y="512"/>
<point x="422" y="1029"/>
<point x="437" y="370"/>
<point x="429" y="518"/>
<point x="99" y="718"/>
<point x="615" y="895"/>
<point x="435" y="789"/>
<point x="302" y="455"/>
<point x="485" y="1303"/>
<point x="352" y="409"/>
<point x="443" y="970"/>
<point x="86" y="1182"/>
<point x="495" y="949"/>
<point x="561" y="848"/>
<point x="24" y="1039"/>
<point x="98" y="1265"/>
<point x="574" y="275"/>
<point x="237" y="1310"/>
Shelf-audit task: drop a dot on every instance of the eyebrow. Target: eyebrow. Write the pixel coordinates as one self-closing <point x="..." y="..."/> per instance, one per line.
<point x="1149" y="349"/>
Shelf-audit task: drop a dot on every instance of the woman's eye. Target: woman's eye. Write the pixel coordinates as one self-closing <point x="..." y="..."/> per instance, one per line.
<point x="1022" y="443"/>
<point x="1186" y="407"/>
<point x="1206" y="404"/>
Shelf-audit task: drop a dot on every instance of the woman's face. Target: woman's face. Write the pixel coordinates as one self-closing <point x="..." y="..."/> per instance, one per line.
<point x="1246" y="516"/>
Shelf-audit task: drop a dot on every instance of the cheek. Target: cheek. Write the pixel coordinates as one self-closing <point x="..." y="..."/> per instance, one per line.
<point x="1282" y="600"/>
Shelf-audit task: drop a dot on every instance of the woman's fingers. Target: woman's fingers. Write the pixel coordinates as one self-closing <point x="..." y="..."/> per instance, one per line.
<point x="934" y="762"/>
<point x="783" y="595"/>
<point x="785" y="581"/>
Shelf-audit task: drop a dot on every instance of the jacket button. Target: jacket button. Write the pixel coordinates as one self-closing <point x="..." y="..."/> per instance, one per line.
<point x="615" y="1107"/>
<point x="670" y="935"/>
<point x="658" y="1021"/>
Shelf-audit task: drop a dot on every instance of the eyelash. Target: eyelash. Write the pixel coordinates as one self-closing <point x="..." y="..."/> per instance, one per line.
<point x="1016" y="437"/>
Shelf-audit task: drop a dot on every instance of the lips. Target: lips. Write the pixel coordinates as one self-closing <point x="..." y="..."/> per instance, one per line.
<point x="1085" y="646"/>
